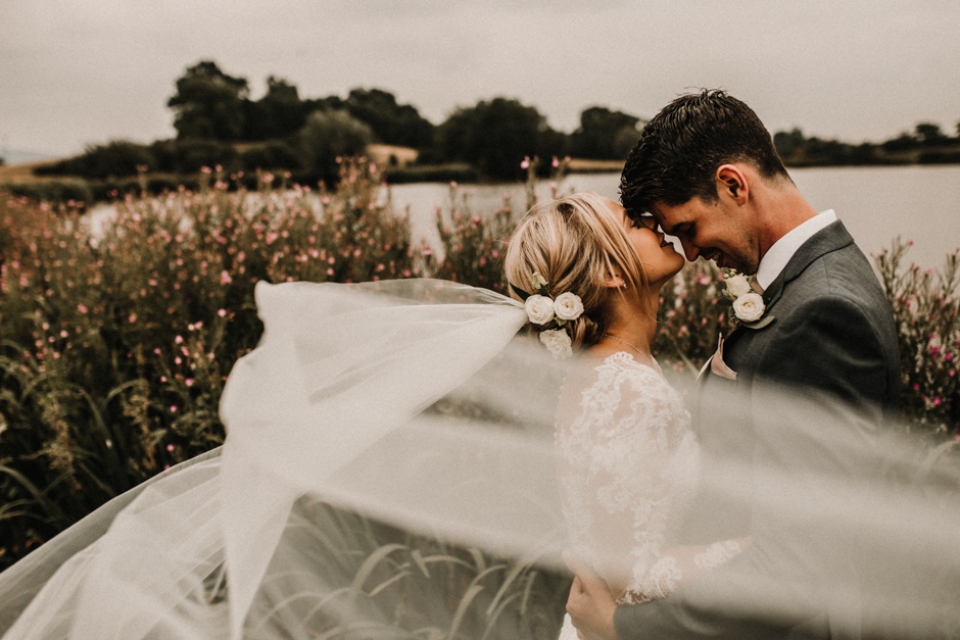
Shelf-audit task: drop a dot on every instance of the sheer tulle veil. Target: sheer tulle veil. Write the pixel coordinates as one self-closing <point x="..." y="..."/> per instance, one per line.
<point x="417" y="404"/>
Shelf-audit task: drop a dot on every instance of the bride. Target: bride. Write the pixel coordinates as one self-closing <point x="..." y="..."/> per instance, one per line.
<point x="628" y="461"/>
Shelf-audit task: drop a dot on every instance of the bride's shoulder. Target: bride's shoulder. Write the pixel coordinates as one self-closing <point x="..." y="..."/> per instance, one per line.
<point x="609" y="370"/>
<point x="626" y="363"/>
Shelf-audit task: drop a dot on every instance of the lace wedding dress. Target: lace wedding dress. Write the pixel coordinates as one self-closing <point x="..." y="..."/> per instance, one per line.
<point x="628" y="467"/>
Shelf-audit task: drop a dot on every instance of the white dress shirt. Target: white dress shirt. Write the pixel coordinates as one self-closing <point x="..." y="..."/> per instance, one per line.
<point x="783" y="249"/>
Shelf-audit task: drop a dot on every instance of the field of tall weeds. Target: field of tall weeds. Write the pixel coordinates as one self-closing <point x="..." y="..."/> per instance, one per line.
<point x="114" y="346"/>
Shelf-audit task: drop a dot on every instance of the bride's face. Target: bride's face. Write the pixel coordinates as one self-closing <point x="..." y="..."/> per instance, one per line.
<point x="659" y="258"/>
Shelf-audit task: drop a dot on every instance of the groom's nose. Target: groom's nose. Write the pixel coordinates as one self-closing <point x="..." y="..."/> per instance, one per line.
<point x="689" y="250"/>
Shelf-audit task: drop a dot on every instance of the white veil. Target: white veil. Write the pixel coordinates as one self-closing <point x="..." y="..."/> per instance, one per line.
<point x="414" y="404"/>
<point x="330" y="405"/>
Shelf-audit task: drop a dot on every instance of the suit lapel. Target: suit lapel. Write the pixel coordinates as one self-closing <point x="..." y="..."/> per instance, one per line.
<point x="831" y="238"/>
<point x="772" y="293"/>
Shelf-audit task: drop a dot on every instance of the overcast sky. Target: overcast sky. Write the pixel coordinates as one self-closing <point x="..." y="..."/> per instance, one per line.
<point x="80" y="72"/>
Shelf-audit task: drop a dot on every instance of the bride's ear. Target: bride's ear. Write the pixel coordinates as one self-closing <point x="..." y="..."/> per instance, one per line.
<point x="614" y="282"/>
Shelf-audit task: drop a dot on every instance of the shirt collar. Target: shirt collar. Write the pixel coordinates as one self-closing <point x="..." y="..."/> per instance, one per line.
<point x="783" y="249"/>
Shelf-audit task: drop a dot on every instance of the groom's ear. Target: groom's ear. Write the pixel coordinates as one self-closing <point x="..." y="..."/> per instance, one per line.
<point x="732" y="183"/>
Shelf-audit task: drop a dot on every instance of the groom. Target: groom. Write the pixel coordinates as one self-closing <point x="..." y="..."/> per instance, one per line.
<point x="707" y="169"/>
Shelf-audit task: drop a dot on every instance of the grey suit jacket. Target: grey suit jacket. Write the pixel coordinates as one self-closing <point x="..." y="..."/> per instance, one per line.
<point x="832" y="340"/>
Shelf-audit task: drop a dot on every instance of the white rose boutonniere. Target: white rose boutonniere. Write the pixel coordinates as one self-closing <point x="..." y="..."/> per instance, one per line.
<point x="540" y="309"/>
<point x="557" y="342"/>
<point x="748" y="306"/>
<point x="738" y="285"/>
<point x="568" y="306"/>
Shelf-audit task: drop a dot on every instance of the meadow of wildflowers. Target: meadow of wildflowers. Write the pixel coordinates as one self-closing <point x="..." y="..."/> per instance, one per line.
<point x="114" y="348"/>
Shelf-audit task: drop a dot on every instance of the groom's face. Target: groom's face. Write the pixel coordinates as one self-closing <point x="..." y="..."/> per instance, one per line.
<point x="714" y="231"/>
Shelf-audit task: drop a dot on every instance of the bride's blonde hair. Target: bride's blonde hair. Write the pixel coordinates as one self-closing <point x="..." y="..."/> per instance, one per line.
<point x="577" y="244"/>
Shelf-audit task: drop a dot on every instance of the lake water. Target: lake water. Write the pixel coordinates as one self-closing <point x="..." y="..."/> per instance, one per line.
<point x="919" y="203"/>
<point x="875" y="203"/>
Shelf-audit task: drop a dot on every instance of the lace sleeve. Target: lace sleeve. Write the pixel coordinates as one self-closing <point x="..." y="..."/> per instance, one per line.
<point x="623" y="459"/>
<point x="678" y="565"/>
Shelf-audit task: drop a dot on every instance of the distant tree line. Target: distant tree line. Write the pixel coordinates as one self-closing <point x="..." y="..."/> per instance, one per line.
<point x="926" y="144"/>
<point x="217" y="123"/>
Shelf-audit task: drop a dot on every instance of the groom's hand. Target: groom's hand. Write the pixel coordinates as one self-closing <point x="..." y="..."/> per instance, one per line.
<point x="591" y="605"/>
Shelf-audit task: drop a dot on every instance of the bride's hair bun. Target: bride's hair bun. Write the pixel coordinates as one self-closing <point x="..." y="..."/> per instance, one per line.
<point x="576" y="244"/>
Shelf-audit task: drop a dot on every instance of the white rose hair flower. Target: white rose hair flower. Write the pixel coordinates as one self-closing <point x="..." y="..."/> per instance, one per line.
<point x="557" y="342"/>
<point x="551" y="314"/>
<point x="749" y="307"/>
<point x="539" y="283"/>
<point x="540" y="309"/>
<point x="568" y="306"/>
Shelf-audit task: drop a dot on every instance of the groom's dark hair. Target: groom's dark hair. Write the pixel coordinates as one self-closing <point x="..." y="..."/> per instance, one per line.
<point x="680" y="150"/>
